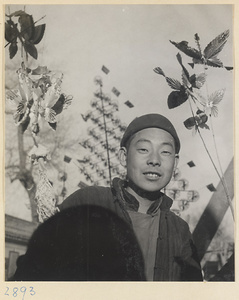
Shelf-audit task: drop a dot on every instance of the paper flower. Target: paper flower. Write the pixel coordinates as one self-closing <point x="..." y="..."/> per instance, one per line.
<point x="209" y="55"/>
<point x="39" y="96"/>
<point x="212" y="102"/>
<point x="24" y="31"/>
<point x="184" y="89"/>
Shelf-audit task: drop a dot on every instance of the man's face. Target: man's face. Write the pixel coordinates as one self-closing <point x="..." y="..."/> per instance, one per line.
<point x="150" y="159"/>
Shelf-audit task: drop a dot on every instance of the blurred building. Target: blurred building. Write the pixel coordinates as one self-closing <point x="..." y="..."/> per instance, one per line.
<point x="17" y="234"/>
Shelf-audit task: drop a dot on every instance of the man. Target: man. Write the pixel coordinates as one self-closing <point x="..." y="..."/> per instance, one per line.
<point x="149" y="151"/>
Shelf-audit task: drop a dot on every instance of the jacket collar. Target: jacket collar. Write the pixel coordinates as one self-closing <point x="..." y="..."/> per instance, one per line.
<point x="130" y="202"/>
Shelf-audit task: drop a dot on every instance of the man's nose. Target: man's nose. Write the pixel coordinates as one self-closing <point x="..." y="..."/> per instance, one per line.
<point x="154" y="159"/>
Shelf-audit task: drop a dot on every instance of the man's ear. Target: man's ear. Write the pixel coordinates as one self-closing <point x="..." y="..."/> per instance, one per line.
<point x="176" y="162"/>
<point x="123" y="156"/>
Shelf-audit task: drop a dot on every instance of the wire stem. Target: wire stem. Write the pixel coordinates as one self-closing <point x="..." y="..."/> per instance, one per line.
<point x="220" y="177"/>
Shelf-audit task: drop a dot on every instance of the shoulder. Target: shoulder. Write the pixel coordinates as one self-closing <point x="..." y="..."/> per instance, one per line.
<point x="87" y="195"/>
<point x="178" y="220"/>
<point x="173" y="218"/>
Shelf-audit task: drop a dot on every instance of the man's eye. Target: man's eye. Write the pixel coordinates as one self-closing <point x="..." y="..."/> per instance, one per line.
<point x="143" y="150"/>
<point x="166" y="152"/>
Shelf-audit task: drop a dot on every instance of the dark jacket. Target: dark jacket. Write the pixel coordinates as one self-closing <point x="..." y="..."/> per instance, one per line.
<point x="83" y="243"/>
<point x="176" y="258"/>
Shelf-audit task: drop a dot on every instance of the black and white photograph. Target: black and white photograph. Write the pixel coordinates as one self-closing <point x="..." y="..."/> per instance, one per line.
<point x="119" y="143"/>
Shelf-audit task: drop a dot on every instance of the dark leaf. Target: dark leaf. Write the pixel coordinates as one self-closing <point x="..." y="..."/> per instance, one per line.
<point x="204" y="125"/>
<point x="192" y="79"/>
<point x="229" y="68"/>
<point x="179" y="58"/>
<point x="38" y="33"/>
<point x="201" y="117"/>
<point x="183" y="46"/>
<point x="13" y="50"/>
<point x="31" y="49"/>
<point x="191" y="65"/>
<point x="53" y="125"/>
<point x="185" y="71"/>
<point x="58" y="106"/>
<point x="176" y="98"/>
<point x="8" y="33"/>
<point x="199" y="112"/>
<point x="27" y="26"/>
<point x="25" y="123"/>
<point x="189" y="123"/>
<point x="173" y="83"/>
<point x="216" y="45"/>
<point x="159" y="71"/>
<point x="198" y="121"/>
<point x="11" y="32"/>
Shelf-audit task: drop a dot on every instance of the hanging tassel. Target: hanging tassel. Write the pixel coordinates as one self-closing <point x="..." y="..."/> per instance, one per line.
<point x="45" y="196"/>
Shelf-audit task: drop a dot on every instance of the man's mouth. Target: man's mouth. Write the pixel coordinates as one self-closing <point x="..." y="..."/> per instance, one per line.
<point x="152" y="175"/>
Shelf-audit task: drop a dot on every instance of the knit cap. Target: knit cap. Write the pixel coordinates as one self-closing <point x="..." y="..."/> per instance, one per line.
<point x="150" y="121"/>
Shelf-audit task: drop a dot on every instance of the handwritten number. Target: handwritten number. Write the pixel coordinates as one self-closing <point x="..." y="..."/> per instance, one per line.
<point x="15" y="290"/>
<point x="23" y="290"/>
<point x="32" y="292"/>
<point x="6" y="293"/>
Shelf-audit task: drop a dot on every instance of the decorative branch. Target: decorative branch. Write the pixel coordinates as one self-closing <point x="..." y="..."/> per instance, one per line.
<point x="38" y="97"/>
<point x="189" y="90"/>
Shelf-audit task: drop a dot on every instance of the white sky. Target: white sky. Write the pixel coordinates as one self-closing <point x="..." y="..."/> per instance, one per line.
<point x="131" y="40"/>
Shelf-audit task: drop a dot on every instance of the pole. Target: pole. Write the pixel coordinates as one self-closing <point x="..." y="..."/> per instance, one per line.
<point x="106" y="137"/>
<point x="213" y="214"/>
